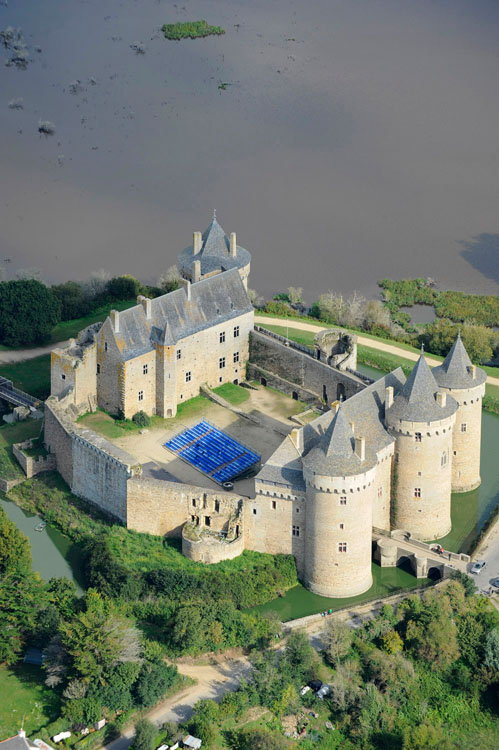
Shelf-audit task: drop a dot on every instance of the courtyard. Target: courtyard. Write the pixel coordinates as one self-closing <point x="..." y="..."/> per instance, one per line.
<point x="268" y="422"/>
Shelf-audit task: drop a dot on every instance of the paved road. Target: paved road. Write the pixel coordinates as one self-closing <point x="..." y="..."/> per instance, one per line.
<point x="488" y="551"/>
<point x="373" y="343"/>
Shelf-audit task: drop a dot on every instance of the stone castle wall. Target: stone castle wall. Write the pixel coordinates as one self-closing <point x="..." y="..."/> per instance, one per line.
<point x="327" y="383"/>
<point x="339" y="512"/>
<point x="423" y="471"/>
<point x="466" y="438"/>
<point x="383" y="493"/>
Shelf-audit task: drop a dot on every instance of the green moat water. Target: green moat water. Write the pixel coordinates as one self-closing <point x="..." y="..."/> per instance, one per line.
<point x="53" y="554"/>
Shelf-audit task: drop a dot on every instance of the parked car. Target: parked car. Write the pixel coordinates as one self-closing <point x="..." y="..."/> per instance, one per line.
<point x="495" y="583"/>
<point x="325" y="690"/>
<point x="305" y="690"/>
<point x="315" y="685"/>
<point x="478" y="566"/>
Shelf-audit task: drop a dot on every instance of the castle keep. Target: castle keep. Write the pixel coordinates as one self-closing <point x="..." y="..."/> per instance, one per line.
<point x="382" y="456"/>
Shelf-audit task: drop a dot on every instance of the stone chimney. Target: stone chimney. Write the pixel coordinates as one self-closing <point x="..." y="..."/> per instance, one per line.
<point x="146" y="304"/>
<point x="360" y="448"/>
<point x="296" y="437"/>
<point x="115" y="320"/>
<point x="196" y="271"/>
<point x="197" y="242"/>
<point x="21" y="733"/>
<point x="186" y="284"/>
<point x="388" y="396"/>
<point x="441" y="399"/>
<point x="233" y="246"/>
<point x="352" y="425"/>
<point x="473" y="371"/>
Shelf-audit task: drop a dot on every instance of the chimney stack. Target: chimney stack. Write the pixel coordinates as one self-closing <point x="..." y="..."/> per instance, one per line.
<point x="146" y="304"/>
<point x="196" y="242"/>
<point x="473" y="371"/>
<point x="196" y="271"/>
<point x="441" y="399"/>
<point x="352" y="425"/>
<point x="186" y="284"/>
<point x="115" y="320"/>
<point x="360" y="448"/>
<point x="389" y="396"/>
<point x="233" y="246"/>
<point x="296" y="436"/>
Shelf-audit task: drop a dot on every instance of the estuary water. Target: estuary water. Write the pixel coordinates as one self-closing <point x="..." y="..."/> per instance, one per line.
<point x="343" y="141"/>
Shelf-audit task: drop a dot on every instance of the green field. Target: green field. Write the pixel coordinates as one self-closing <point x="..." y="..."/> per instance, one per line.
<point x="234" y="394"/>
<point x="25" y="701"/>
<point x="32" y="375"/>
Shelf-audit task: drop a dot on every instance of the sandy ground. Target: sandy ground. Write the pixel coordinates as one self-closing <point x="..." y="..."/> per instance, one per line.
<point x="272" y="410"/>
<point x="373" y="343"/>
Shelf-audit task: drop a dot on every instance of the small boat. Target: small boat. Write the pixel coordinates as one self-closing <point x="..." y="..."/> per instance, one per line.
<point x="40" y="526"/>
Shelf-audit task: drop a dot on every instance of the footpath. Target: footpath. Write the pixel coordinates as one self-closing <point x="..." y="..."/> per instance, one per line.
<point x="378" y="344"/>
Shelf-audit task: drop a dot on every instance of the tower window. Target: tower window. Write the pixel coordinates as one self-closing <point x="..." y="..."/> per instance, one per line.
<point x="463" y="427"/>
<point x="274" y="505"/>
<point x="343" y="500"/>
<point x="145" y="369"/>
<point x="296" y="531"/>
<point x="217" y="506"/>
<point x="341" y="526"/>
<point x="98" y="368"/>
<point x="179" y="353"/>
<point x="105" y="346"/>
<point x="222" y="337"/>
<point x="380" y="491"/>
<point x="63" y="376"/>
<point x="417" y="491"/>
<point x="188" y="376"/>
<point x="342" y="547"/>
<point x="141" y="395"/>
<point x="417" y="437"/>
<point x="236" y="331"/>
<point x="236" y="357"/>
<point x="207" y="521"/>
<point x="443" y="459"/>
<point x="254" y="511"/>
<point x="221" y="363"/>
<point x="194" y="501"/>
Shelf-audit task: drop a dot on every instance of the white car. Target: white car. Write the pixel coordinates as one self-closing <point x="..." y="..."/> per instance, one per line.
<point x="325" y="690"/>
<point x="305" y="690"/>
<point x="478" y="566"/>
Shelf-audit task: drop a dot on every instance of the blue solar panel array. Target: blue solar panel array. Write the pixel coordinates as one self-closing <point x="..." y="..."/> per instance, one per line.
<point x="213" y="452"/>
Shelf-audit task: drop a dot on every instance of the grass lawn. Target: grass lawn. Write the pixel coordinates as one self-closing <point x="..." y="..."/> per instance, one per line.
<point x="299" y="602"/>
<point x="23" y="694"/>
<point x="15" y="433"/>
<point x="234" y="394"/>
<point x="69" y="329"/>
<point x="32" y="375"/>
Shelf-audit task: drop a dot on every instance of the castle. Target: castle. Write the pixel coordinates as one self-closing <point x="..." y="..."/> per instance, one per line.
<point x="385" y="455"/>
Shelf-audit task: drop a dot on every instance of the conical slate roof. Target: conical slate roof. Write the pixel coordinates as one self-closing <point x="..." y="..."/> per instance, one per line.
<point x="214" y="253"/>
<point x="455" y="371"/>
<point x="416" y="401"/>
<point x="334" y="455"/>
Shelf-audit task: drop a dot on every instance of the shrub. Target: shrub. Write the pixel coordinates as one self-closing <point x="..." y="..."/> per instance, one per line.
<point x="141" y="419"/>
<point x="145" y="734"/>
<point x="28" y="312"/>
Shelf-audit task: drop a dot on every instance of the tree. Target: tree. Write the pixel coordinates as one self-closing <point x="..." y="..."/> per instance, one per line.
<point x="491" y="656"/>
<point x="345" y="686"/>
<point x="123" y="287"/>
<point x="28" y="312"/>
<point x="73" y="300"/>
<point x="21" y="598"/>
<point x="466" y="582"/>
<point x="15" y="550"/>
<point x="152" y="683"/>
<point x="299" y="655"/>
<point x="169" y="280"/>
<point x="259" y="739"/>
<point x="203" y="721"/>
<point x="295" y="295"/>
<point x="426" y="737"/>
<point x="392" y="642"/>
<point x="337" y="641"/>
<point x="145" y="734"/>
<point x="255" y="299"/>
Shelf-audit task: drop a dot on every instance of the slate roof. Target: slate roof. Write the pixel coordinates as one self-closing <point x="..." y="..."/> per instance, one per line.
<point x="334" y="455"/>
<point x="455" y="370"/>
<point x="284" y="467"/>
<point x="215" y="252"/>
<point x="173" y="317"/>
<point x="416" y="401"/>
<point x="17" y="743"/>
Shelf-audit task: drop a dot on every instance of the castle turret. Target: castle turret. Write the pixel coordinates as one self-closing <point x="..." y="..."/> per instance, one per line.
<point x="213" y="252"/>
<point x="457" y="377"/>
<point x="421" y="420"/>
<point x="340" y="480"/>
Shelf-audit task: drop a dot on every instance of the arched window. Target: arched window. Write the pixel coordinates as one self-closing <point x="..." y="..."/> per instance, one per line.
<point x="443" y="459"/>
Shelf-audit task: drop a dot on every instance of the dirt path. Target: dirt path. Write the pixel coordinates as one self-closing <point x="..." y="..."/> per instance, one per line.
<point x="10" y="356"/>
<point x="372" y="343"/>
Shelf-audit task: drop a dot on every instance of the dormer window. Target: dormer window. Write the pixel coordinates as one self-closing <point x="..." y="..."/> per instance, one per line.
<point x="418" y="437"/>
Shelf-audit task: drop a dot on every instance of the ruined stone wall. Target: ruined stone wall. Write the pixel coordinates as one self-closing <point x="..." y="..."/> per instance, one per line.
<point x="423" y="468"/>
<point x="297" y="367"/>
<point x="272" y="380"/>
<point x="209" y="550"/>
<point x="466" y="438"/>
<point x="339" y="511"/>
<point x="275" y="521"/>
<point x="159" y="507"/>
<point x="32" y="466"/>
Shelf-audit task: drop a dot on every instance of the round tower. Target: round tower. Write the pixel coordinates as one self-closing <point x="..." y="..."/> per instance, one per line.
<point x="457" y="377"/>
<point x="421" y="420"/>
<point x="213" y="252"/>
<point x="340" y="480"/>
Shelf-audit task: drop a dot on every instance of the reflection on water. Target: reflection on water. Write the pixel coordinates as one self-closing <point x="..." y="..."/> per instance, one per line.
<point x="53" y="554"/>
